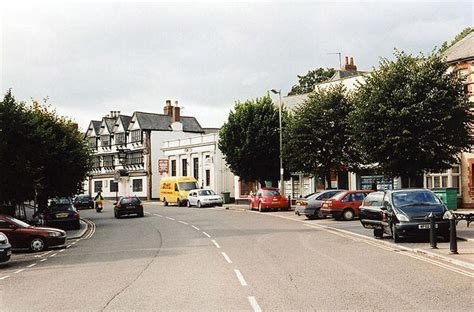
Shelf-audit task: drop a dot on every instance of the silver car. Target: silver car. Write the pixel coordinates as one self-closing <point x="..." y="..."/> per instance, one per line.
<point x="204" y="197"/>
<point x="5" y="248"/>
<point x="311" y="206"/>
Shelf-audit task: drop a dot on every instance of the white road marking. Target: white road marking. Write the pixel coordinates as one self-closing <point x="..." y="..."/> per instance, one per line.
<point x="254" y="304"/>
<point x="147" y="213"/>
<point x="206" y="234"/>
<point x="73" y="243"/>
<point x="215" y="243"/>
<point x="5" y="277"/>
<point x="43" y="260"/>
<point x="31" y="265"/>
<point x="68" y="246"/>
<point x="43" y="254"/>
<point x="226" y="257"/>
<point x="195" y="227"/>
<point x="20" y="270"/>
<point x="170" y="218"/>
<point x="158" y="215"/>
<point x="240" y="277"/>
<point x="183" y="222"/>
<point x="61" y="250"/>
<point x="53" y="255"/>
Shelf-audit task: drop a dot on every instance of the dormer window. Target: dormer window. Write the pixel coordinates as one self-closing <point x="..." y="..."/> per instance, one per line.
<point x="105" y="140"/>
<point x="136" y="135"/>
<point x="92" y="142"/>
<point x="119" y="138"/>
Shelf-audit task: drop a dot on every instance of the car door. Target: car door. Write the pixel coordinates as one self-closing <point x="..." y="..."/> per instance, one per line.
<point x="12" y="232"/>
<point x="357" y="199"/>
<point x="193" y="198"/>
<point x="387" y="215"/>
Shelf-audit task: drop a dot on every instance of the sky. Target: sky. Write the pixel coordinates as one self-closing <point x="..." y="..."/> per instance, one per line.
<point x="92" y="57"/>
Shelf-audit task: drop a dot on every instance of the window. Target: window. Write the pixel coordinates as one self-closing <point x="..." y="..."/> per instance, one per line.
<point x="113" y="186"/>
<point x="109" y="161"/>
<point x="4" y="224"/>
<point x="138" y="185"/>
<point x="92" y="142"/>
<point x="119" y="138"/>
<point x="208" y="177"/>
<point x="184" y="165"/>
<point x="105" y="140"/>
<point x="96" y="162"/>
<point x="97" y="186"/>
<point x="135" y="158"/>
<point x="173" y="167"/>
<point x="196" y="168"/>
<point x="447" y="178"/>
<point x="136" y="135"/>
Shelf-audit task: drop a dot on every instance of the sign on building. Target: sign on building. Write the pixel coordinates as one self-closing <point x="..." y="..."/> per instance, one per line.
<point x="163" y="166"/>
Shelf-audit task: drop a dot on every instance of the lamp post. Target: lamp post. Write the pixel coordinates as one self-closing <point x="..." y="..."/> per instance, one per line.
<point x="282" y="189"/>
<point x="122" y="156"/>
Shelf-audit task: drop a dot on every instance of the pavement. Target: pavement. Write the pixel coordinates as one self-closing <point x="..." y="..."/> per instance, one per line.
<point x="465" y="234"/>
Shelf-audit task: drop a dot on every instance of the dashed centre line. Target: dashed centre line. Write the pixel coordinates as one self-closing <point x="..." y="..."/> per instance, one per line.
<point x="206" y="234"/>
<point x="43" y="260"/>
<point x="31" y="265"/>
<point x="226" y="257"/>
<point x="240" y="277"/>
<point x="4" y="277"/>
<point x="183" y="222"/>
<point x="196" y="228"/>
<point x="53" y="255"/>
<point x="215" y="243"/>
<point x="158" y="215"/>
<point x="169" y="218"/>
<point x="19" y="271"/>
<point x="254" y="304"/>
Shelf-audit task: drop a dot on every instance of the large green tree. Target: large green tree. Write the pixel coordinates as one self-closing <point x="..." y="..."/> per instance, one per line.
<point x="249" y="140"/>
<point x="317" y="136"/>
<point x="411" y="116"/>
<point x="43" y="154"/>
<point x="307" y="82"/>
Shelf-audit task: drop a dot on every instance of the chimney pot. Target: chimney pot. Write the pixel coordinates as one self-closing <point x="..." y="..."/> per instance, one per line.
<point x="347" y="60"/>
<point x="176" y="113"/>
<point x="167" y="110"/>
<point x="352" y="61"/>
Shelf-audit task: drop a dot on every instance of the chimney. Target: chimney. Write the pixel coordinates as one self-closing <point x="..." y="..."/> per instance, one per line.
<point x="176" y="113"/>
<point x="168" y="109"/>
<point x="349" y="65"/>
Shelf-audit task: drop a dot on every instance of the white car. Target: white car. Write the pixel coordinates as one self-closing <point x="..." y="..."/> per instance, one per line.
<point x="203" y="197"/>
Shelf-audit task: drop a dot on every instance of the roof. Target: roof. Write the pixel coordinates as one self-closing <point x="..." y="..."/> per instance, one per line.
<point x="210" y="130"/>
<point x="151" y="121"/>
<point x="293" y="100"/>
<point x="110" y="122"/>
<point x="343" y="74"/>
<point x="125" y="121"/>
<point x="461" y="50"/>
<point x="96" y="124"/>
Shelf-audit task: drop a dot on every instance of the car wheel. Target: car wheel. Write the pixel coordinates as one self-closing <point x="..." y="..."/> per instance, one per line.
<point x="319" y="214"/>
<point x="395" y="236"/>
<point x="311" y="217"/>
<point x="116" y="214"/>
<point x="165" y="202"/>
<point x="77" y="226"/>
<point x="260" y="208"/>
<point x="348" y="214"/>
<point x="199" y="204"/>
<point x="37" y="244"/>
<point x="378" y="233"/>
<point x="141" y="214"/>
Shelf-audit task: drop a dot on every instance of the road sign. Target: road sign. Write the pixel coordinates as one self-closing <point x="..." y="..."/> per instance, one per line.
<point x="163" y="166"/>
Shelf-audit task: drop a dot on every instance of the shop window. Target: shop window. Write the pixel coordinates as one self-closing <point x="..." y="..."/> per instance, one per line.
<point x="138" y="185"/>
<point x="97" y="186"/>
<point x="247" y="187"/>
<point x="447" y="178"/>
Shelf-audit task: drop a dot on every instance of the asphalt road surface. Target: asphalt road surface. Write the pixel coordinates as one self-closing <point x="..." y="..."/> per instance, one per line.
<point x="178" y="258"/>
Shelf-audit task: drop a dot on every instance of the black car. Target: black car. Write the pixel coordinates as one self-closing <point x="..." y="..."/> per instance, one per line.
<point x="128" y="206"/>
<point x="83" y="201"/>
<point x="5" y="248"/>
<point x="404" y="213"/>
<point x="62" y="214"/>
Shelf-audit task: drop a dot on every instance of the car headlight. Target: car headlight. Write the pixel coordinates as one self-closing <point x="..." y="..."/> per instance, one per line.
<point x="3" y="237"/>
<point x="402" y="217"/>
<point x="54" y="234"/>
<point x="448" y="214"/>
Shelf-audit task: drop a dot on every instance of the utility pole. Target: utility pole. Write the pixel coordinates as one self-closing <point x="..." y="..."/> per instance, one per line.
<point x="340" y="58"/>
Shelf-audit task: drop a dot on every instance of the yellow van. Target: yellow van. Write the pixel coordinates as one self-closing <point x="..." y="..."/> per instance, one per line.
<point x="175" y="190"/>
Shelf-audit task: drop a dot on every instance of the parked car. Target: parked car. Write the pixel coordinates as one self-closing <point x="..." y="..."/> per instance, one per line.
<point x="204" y="197"/>
<point x="370" y="212"/>
<point x="344" y="205"/>
<point x="405" y="213"/>
<point x="127" y="206"/>
<point x="83" y="201"/>
<point x="310" y="206"/>
<point x="62" y="214"/>
<point x="5" y="248"/>
<point x="23" y="235"/>
<point x="268" y="198"/>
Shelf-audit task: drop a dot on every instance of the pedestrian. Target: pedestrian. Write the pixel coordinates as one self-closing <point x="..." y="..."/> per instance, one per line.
<point x="374" y="186"/>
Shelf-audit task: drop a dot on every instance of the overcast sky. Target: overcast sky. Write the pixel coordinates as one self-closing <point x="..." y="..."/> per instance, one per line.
<point x="93" y="57"/>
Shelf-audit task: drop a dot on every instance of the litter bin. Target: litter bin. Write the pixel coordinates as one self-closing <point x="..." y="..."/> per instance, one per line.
<point x="226" y="197"/>
<point x="448" y="196"/>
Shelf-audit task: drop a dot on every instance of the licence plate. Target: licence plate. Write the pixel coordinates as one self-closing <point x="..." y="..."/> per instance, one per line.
<point x="426" y="226"/>
<point x="62" y="215"/>
<point x="131" y="207"/>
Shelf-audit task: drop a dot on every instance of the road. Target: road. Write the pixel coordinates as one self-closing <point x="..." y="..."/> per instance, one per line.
<point x="178" y="258"/>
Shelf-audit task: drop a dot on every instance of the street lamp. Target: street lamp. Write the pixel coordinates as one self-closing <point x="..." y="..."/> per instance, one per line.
<point x="282" y="189"/>
<point x="122" y="155"/>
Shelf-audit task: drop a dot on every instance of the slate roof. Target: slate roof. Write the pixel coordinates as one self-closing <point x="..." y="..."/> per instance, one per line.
<point x="292" y="100"/>
<point x="125" y="121"/>
<point x="151" y="121"/>
<point x="342" y="74"/>
<point x="461" y="50"/>
<point x="96" y="124"/>
<point x="110" y="122"/>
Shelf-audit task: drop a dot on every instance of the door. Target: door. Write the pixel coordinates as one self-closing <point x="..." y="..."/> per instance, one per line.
<point x="10" y="230"/>
<point x="357" y="199"/>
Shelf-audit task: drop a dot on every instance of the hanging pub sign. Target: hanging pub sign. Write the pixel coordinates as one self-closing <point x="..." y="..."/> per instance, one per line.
<point x="163" y="166"/>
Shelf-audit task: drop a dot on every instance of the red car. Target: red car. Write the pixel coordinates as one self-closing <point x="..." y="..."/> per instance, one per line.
<point x="344" y="205"/>
<point x="268" y="198"/>
<point x="23" y="235"/>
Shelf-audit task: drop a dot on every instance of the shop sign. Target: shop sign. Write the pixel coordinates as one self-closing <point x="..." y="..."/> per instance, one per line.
<point x="163" y="166"/>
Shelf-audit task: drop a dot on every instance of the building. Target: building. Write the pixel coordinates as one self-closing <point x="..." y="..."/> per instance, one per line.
<point x="127" y="150"/>
<point x="460" y="58"/>
<point x="200" y="157"/>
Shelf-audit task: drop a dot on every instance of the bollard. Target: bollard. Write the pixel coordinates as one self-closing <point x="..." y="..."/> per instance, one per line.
<point x="289" y="202"/>
<point x="453" y="240"/>
<point x="432" y="231"/>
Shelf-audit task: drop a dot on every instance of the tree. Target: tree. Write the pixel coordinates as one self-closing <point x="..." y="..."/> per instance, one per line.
<point x="249" y="140"/>
<point x="466" y="31"/>
<point x="411" y="116"/>
<point x="317" y="137"/>
<point x="42" y="154"/>
<point x="307" y="82"/>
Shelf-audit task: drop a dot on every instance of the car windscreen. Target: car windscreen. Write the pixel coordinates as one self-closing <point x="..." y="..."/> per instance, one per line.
<point x="18" y="222"/>
<point x="270" y="192"/>
<point x="130" y="201"/>
<point x="61" y="207"/>
<point x="414" y="198"/>
<point x="373" y="200"/>
<point x="186" y="186"/>
<point x="206" y="192"/>
<point x="60" y="201"/>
